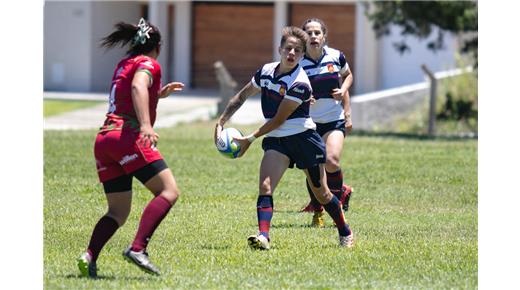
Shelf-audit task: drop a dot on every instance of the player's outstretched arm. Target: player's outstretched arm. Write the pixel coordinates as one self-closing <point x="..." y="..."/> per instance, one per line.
<point x="287" y="107"/>
<point x="170" y="88"/>
<point x="233" y="105"/>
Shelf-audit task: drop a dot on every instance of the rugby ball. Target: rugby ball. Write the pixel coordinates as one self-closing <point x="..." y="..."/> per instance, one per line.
<point x="226" y="145"/>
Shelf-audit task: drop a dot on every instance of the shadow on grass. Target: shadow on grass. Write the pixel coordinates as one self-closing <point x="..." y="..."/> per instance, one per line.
<point x="293" y="225"/>
<point x="214" y="247"/>
<point x="112" y="278"/>
<point x="416" y="136"/>
<point x="287" y="211"/>
<point x="283" y="247"/>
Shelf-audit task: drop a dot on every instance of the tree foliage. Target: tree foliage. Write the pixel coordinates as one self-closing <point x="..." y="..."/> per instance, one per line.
<point x="420" y="17"/>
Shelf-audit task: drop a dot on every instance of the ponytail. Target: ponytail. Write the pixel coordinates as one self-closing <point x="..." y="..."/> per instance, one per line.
<point x="122" y="35"/>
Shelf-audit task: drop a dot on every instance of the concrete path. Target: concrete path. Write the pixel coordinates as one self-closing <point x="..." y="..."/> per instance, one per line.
<point x="186" y="107"/>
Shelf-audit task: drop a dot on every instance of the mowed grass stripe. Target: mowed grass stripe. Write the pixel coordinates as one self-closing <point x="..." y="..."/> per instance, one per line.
<point x="56" y="107"/>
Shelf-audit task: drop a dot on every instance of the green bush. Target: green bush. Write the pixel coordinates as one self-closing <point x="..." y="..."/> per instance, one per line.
<point x="458" y="99"/>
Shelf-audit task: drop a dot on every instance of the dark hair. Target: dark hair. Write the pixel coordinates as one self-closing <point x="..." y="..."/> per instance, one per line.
<point x="128" y="33"/>
<point x="323" y="26"/>
<point x="294" y="32"/>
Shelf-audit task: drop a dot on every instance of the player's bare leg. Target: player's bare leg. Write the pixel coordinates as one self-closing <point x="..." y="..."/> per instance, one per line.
<point x="330" y="202"/>
<point x="119" y="205"/>
<point x="334" y="141"/>
<point x="272" y="168"/>
<point x="166" y="192"/>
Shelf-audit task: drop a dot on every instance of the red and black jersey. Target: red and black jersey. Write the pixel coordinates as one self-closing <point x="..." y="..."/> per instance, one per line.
<point x="121" y="113"/>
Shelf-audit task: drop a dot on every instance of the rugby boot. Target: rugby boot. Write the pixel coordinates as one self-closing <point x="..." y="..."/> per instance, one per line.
<point x="317" y="219"/>
<point x="141" y="260"/>
<point x="258" y="242"/>
<point x="347" y="242"/>
<point x="86" y="266"/>
<point x="346" y="193"/>
<point x="311" y="208"/>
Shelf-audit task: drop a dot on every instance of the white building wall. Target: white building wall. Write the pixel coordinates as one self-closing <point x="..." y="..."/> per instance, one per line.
<point x="280" y="21"/>
<point x="73" y="60"/>
<point x="366" y="71"/>
<point x="66" y="46"/>
<point x="380" y="66"/>
<point x="103" y="18"/>
<point x="397" y="70"/>
<point x="158" y="16"/>
<point x="182" y="42"/>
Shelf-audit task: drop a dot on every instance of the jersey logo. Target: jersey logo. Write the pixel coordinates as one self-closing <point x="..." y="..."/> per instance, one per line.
<point x="282" y="91"/>
<point x="148" y="64"/>
<point x="128" y="158"/>
<point x="297" y="90"/>
<point x="330" y="67"/>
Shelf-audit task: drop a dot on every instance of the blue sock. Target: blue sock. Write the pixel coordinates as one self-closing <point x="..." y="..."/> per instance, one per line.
<point x="264" y="210"/>
<point x="333" y="208"/>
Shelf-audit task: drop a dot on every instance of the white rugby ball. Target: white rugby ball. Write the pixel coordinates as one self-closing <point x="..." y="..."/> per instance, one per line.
<point x="226" y="145"/>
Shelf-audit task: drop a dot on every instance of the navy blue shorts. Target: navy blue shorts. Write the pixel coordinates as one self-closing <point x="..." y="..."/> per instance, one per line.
<point x="305" y="149"/>
<point x="323" y="128"/>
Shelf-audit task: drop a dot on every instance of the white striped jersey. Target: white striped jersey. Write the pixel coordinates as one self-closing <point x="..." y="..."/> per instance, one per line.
<point x="293" y="85"/>
<point x="325" y="75"/>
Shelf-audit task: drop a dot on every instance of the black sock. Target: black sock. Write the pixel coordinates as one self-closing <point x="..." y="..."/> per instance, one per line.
<point x="103" y="231"/>
<point x="333" y="208"/>
<point x="335" y="182"/>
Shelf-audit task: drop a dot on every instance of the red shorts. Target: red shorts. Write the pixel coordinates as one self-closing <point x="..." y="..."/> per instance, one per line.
<point x="117" y="153"/>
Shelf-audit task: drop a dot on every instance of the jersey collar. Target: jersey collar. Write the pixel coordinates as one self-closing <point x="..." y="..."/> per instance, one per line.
<point x="284" y="74"/>
<point x="323" y="53"/>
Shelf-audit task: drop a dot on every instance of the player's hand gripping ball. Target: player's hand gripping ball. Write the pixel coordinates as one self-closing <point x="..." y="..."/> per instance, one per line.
<point x="226" y="145"/>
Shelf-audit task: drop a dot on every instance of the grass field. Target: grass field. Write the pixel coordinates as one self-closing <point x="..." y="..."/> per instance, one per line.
<point x="414" y="215"/>
<point x="55" y="107"/>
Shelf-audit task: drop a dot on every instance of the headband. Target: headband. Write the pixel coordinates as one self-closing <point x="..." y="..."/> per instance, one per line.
<point x="142" y="33"/>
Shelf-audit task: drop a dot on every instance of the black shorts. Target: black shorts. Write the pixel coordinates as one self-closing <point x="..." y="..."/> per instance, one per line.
<point x="323" y="128"/>
<point x="143" y="174"/>
<point x="305" y="149"/>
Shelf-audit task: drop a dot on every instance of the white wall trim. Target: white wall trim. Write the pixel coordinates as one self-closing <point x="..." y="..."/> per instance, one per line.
<point x="280" y="21"/>
<point x="389" y="92"/>
<point x="158" y="16"/>
<point x="181" y="65"/>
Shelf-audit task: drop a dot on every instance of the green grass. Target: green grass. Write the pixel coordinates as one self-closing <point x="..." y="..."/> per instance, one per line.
<point x="414" y="214"/>
<point x="55" y="107"/>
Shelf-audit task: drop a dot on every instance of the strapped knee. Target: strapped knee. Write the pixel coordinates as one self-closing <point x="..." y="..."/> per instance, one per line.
<point x="314" y="173"/>
<point x="264" y="201"/>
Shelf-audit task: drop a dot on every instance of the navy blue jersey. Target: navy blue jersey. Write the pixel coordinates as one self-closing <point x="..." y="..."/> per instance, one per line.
<point x="293" y="85"/>
<point x="325" y="76"/>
